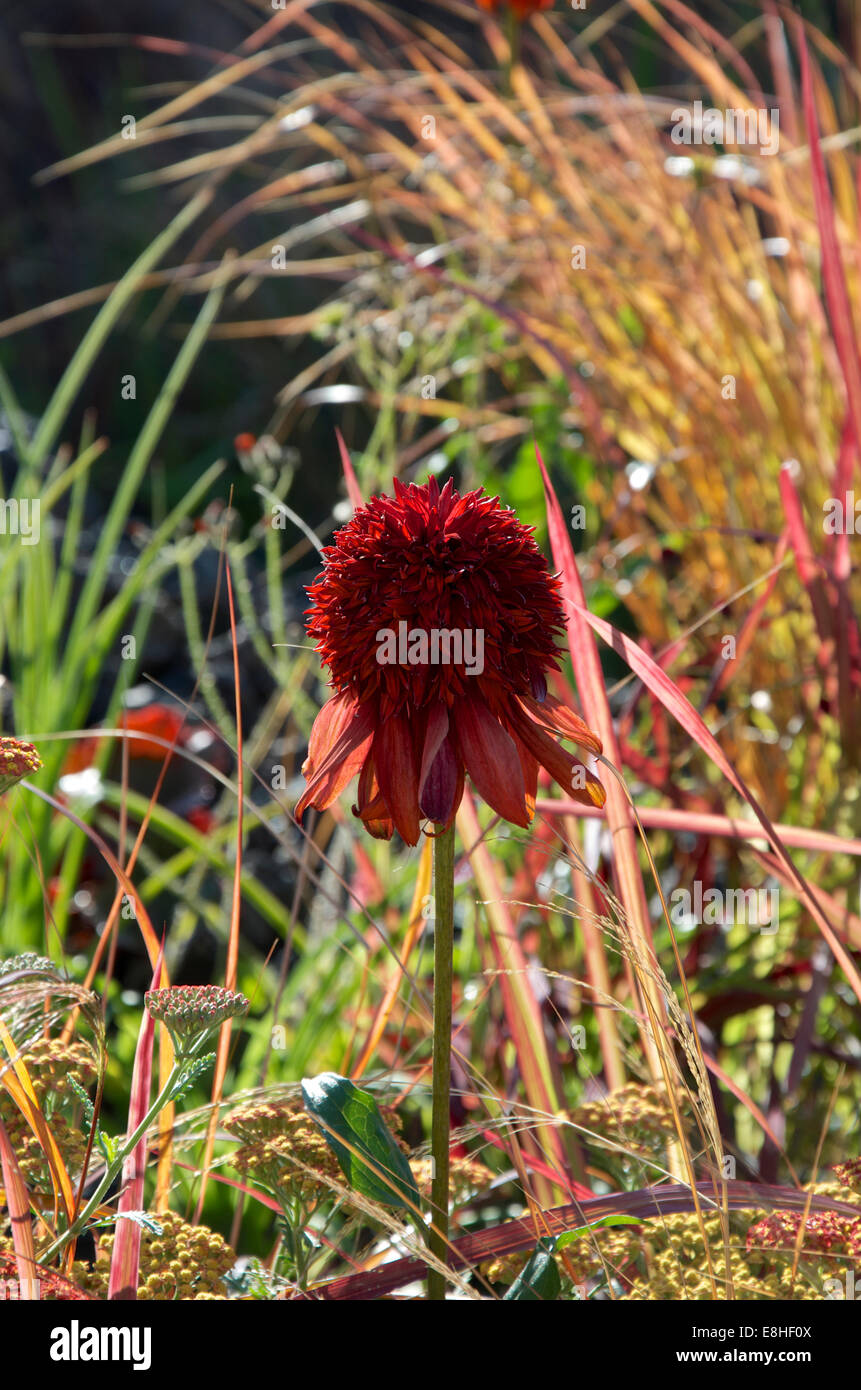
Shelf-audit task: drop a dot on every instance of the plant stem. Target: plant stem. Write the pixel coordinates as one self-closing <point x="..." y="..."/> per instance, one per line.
<point x="442" y="987"/>
<point x="113" y="1169"/>
<point x="513" y="32"/>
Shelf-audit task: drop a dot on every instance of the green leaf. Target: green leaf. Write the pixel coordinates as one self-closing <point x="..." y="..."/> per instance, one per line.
<point x="538" y="1281"/>
<point x="568" y="1237"/>
<point x="355" y="1131"/>
<point x="109" y="1145"/>
<point x="89" y="1108"/>
<point x="144" y="1219"/>
<point x="190" y="1073"/>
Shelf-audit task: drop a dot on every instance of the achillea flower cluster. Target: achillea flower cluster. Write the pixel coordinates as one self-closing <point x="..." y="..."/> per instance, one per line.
<point x="678" y="1268"/>
<point x="849" y="1174"/>
<point x="182" y="1262"/>
<point x="637" y="1117"/>
<point x="433" y="564"/>
<point x="29" y="1152"/>
<point x="280" y="1142"/>
<point x="665" y="1260"/>
<point x="17" y="760"/>
<point x="27" y="964"/>
<point x="762" y="1254"/>
<point x="827" y="1234"/>
<point x="189" y="1010"/>
<point x="51" y="1065"/>
<point x="618" y="1248"/>
<point x="53" y="1286"/>
<point x="467" y="1176"/>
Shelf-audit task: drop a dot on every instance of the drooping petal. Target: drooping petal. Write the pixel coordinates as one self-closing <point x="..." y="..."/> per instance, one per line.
<point x="529" y="767"/>
<point x="369" y="787"/>
<point x="381" y="827"/>
<point x="538" y="682"/>
<point x="371" y="808"/>
<point x="491" y="759"/>
<point x="398" y="775"/>
<point x="343" y="761"/>
<point x="552" y="716"/>
<point x="440" y="775"/>
<point x="439" y="796"/>
<point x="435" y="731"/>
<point x="335" y="716"/>
<point x="572" y="775"/>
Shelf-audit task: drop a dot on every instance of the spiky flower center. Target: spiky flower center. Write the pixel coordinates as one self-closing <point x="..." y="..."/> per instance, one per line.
<point x="464" y="572"/>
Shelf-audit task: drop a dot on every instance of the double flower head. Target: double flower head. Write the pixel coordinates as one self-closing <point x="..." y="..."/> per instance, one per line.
<point x="438" y="561"/>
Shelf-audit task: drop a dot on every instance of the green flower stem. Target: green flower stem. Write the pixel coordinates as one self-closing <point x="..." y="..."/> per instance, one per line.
<point x="513" y="29"/>
<point x="299" y="1249"/>
<point x="442" y="987"/>
<point x="164" y="1097"/>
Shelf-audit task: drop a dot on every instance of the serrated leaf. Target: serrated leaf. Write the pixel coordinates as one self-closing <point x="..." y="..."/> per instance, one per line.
<point x="190" y="1074"/>
<point x="88" y="1107"/>
<point x="371" y="1161"/>
<point x="109" y="1145"/>
<point x="538" y="1281"/>
<point x="144" y="1219"/>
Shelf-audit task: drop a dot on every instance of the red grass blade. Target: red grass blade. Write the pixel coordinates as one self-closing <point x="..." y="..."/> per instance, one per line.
<point x="596" y="709"/>
<point x="223" y="1047"/>
<point x="125" y="1257"/>
<point x="704" y="823"/>
<point x="18" y="1208"/>
<point x="538" y="1165"/>
<point x="809" y="570"/>
<point x="669" y="694"/>
<point x="354" y="492"/>
<point x="834" y="278"/>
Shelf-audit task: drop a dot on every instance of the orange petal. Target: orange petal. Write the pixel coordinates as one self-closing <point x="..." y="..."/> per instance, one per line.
<point x="343" y="761"/>
<point x="552" y="716"/>
<point x="371" y="808"/>
<point x="335" y="716"/>
<point x="561" y="764"/>
<point x="491" y="759"/>
<point x="529" y="768"/>
<point x="398" y="775"/>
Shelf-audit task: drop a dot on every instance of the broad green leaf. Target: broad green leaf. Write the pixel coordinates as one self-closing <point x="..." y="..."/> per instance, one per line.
<point x="350" y="1119"/>
<point x="538" y="1281"/>
<point x="568" y="1237"/>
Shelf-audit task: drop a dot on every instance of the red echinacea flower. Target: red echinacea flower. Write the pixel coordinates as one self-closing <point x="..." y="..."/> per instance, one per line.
<point x="437" y="616"/>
